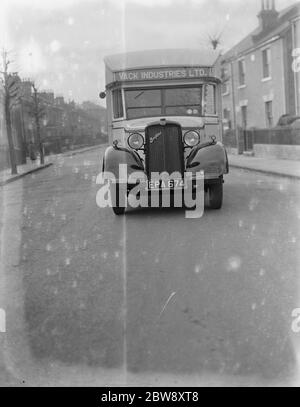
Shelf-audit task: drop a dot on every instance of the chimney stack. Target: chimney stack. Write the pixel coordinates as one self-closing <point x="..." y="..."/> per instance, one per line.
<point x="268" y="15"/>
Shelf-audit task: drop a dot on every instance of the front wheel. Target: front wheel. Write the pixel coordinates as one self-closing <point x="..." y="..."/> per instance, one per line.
<point x="118" y="210"/>
<point x="215" y="193"/>
<point x="118" y="204"/>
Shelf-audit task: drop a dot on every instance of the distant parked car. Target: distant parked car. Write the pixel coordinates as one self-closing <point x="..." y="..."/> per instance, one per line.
<point x="288" y="120"/>
<point x="296" y="124"/>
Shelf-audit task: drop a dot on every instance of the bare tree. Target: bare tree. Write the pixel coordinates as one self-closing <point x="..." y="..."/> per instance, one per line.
<point x="10" y="83"/>
<point x="215" y="40"/>
<point x="38" y="112"/>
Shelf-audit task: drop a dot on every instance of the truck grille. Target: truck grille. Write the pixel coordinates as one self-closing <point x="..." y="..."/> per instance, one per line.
<point x="164" y="149"/>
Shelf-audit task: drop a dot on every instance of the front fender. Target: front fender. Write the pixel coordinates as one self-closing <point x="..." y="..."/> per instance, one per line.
<point x="210" y="158"/>
<point x="114" y="157"/>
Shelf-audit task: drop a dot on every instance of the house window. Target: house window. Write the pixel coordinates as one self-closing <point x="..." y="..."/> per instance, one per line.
<point x="242" y="72"/>
<point x="244" y="116"/>
<point x="269" y="113"/>
<point x="226" y="118"/>
<point x="224" y="73"/>
<point x="225" y="88"/>
<point x="266" y="60"/>
<point x="117" y="103"/>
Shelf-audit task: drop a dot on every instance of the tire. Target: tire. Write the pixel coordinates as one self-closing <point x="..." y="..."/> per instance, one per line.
<point x="215" y="192"/>
<point x="118" y="210"/>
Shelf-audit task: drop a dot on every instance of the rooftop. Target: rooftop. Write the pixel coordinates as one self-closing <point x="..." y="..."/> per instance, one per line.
<point x="161" y="58"/>
<point x="259" y="36"/>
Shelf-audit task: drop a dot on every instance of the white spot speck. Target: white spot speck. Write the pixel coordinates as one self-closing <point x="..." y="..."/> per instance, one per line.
<point x="55" y="46"/>
<point x="262" y="272"/>
<point x="70" y="21"/>
<point x="234" y="263"/>
<point x="264" y="252"/>
<point x="68" y="261"/>
<point x="198" y="268"/>
<point x="104" y="255"/>
<point x="253" y="203"/>
<point x="253" y="307"/>
<point x="48" y="247"/>
<point x="241" y="223"/>
<point x="117" y="254"/>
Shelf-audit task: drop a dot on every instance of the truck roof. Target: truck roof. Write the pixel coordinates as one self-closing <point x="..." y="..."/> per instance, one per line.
<point x="161" y="58"/>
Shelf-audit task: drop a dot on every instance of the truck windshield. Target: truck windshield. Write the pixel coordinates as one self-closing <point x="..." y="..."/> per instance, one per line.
<point x="181" y="101"/>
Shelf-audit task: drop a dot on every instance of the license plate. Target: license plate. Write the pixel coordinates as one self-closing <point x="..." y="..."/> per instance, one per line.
<point x="166" y="184"/>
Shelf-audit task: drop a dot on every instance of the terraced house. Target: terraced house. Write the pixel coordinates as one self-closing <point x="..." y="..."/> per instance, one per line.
<point x="261" y="73"/>
<point x="3" y="136"/>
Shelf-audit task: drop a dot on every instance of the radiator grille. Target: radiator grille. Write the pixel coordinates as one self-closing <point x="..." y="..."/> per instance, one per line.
<point x="164" y="149"/>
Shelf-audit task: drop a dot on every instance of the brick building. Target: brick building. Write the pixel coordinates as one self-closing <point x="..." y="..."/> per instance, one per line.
<point x="17" y="129"/>
<point x="4" y="160"/>
<point x="63" y="125"/>
<point x="259" y="74"/>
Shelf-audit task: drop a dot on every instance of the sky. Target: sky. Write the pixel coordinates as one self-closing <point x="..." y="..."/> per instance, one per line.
<point x="60" y="44"/>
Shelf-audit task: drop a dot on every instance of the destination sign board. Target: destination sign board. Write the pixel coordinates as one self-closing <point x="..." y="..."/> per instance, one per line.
<point x="157" y="74"/>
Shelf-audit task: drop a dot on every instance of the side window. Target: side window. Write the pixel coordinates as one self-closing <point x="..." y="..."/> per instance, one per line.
<point x="209" y="102"/>
<point x="242" y="72"/>
<point x="266" y="59"/>
<point x="118" y="111"/>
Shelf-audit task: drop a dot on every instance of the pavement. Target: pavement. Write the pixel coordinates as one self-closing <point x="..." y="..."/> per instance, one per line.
<point x="30" y="167"/>
<point x="282" y="168"/>
<point x="151" y="298"/>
